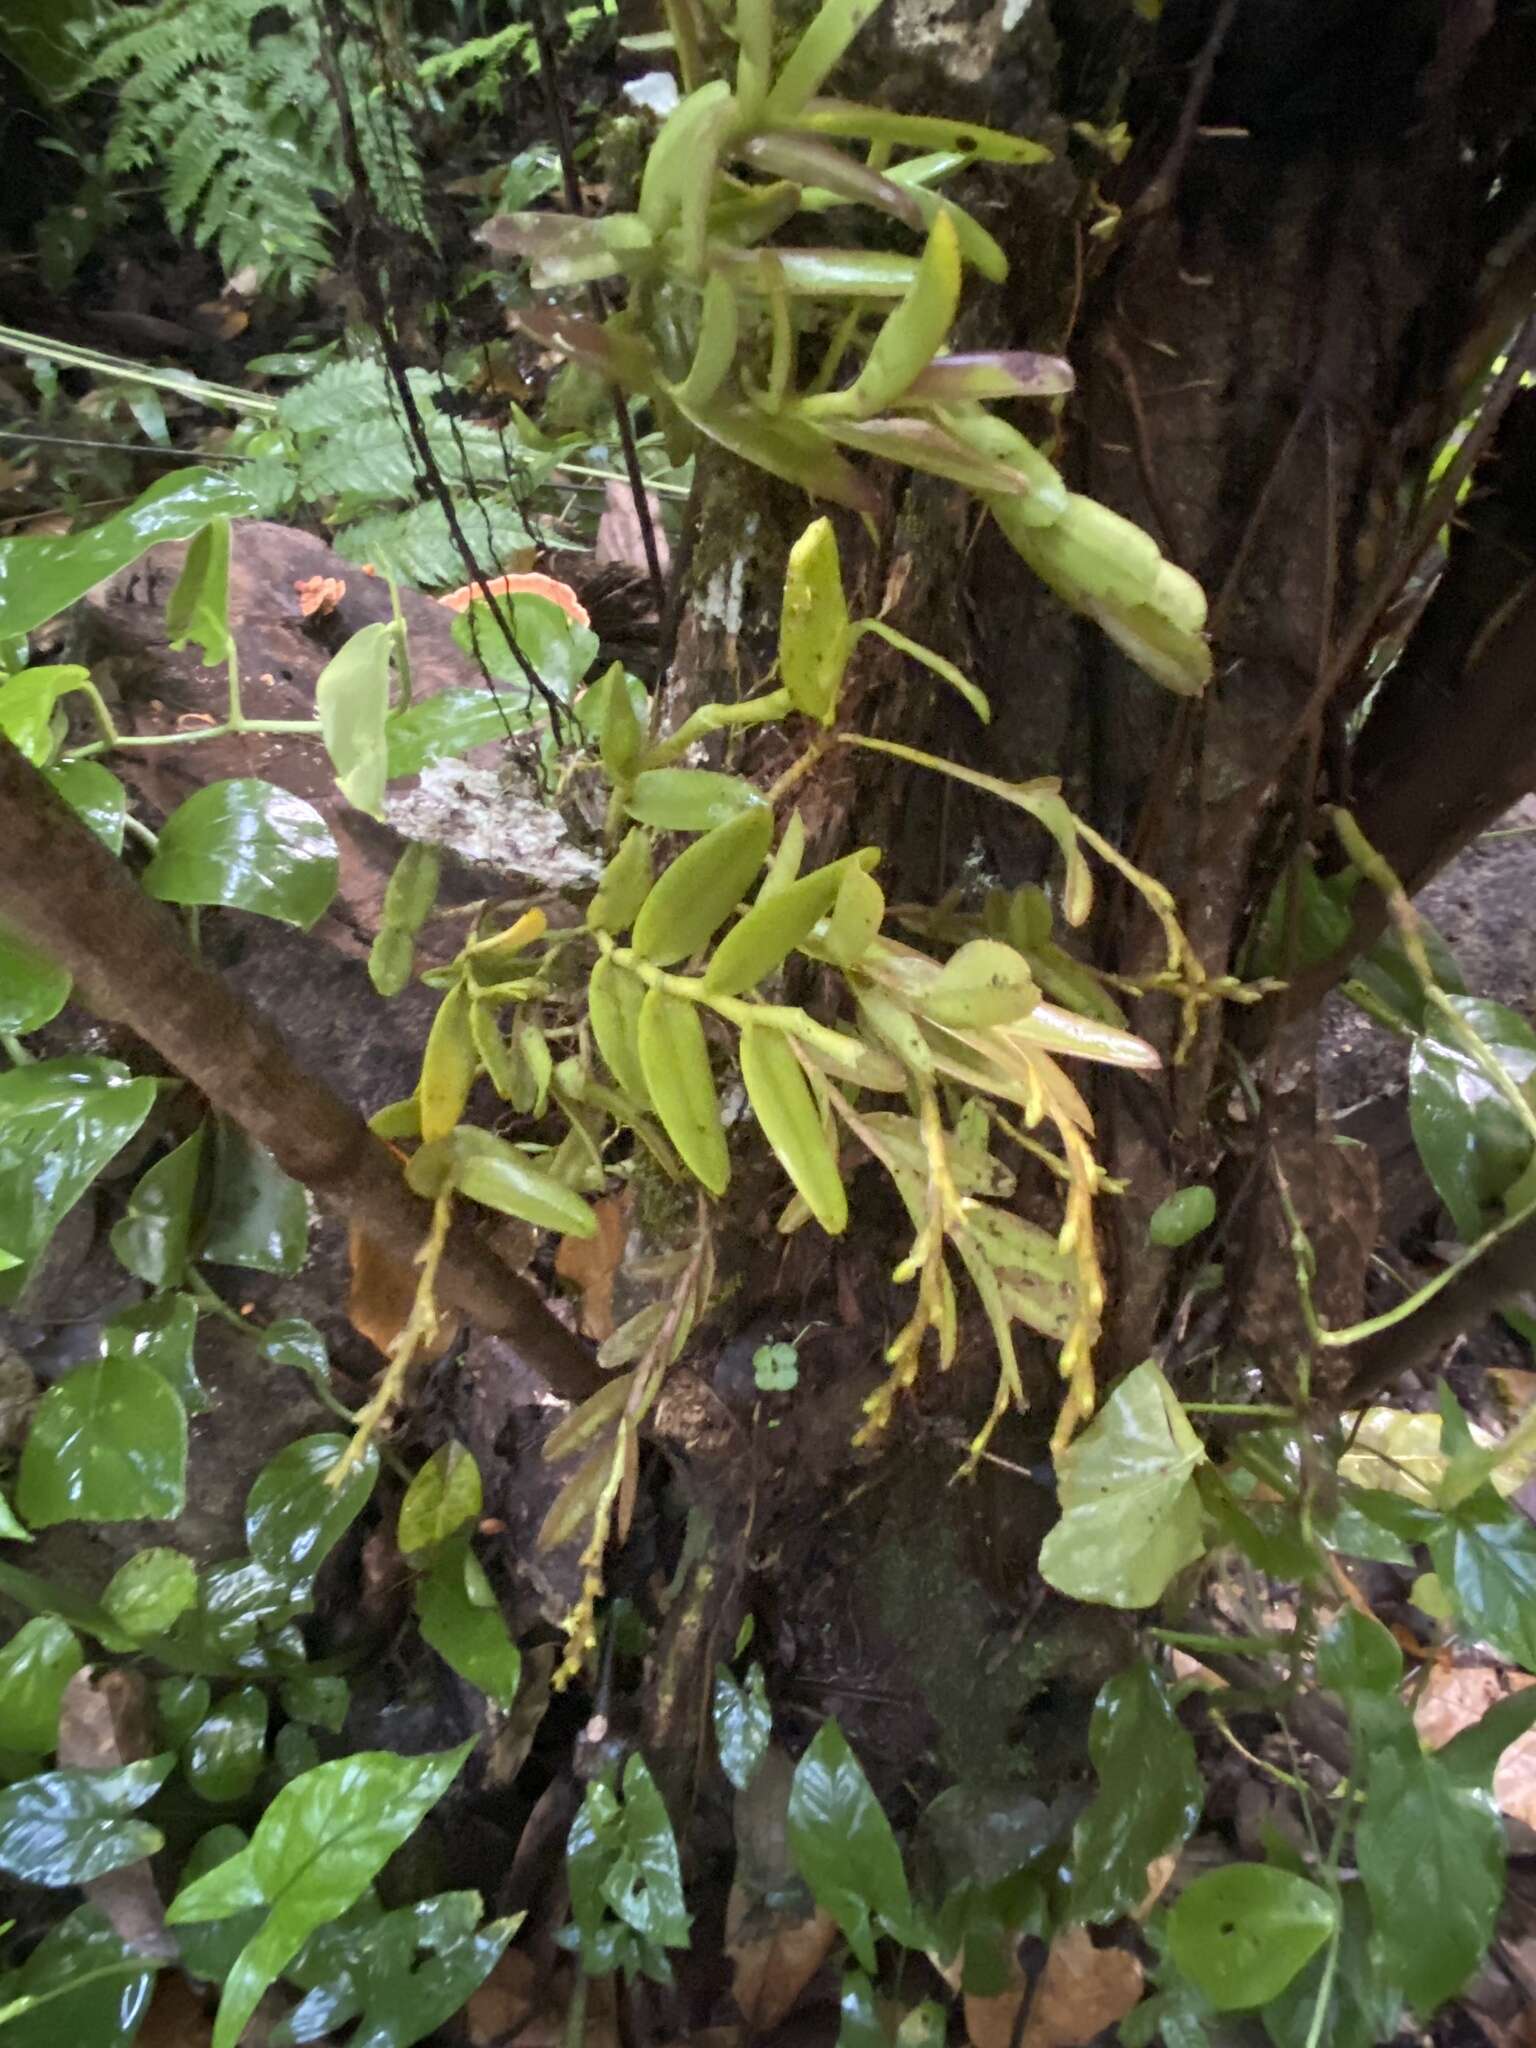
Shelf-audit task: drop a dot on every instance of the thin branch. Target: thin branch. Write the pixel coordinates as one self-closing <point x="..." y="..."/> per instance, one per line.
<point x="62" y="890"/>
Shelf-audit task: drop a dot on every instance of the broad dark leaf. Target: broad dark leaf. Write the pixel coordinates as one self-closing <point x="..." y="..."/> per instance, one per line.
<point x="107" y="1444"/>
<point x="35" y="1666"/>
<point x="1149" y="1797"/>
<point x="66" y="1827"/>
<point x="153" y="1237"/>
<point x="258" y="1217"/>
<point x="250" y="846"/>
<point x="1473" y="1144"/>
<point x="1485" y="1553"/>
<point x="61" y="1121"/>
<point x="91" y="1989"/>
<point x="405" y="1973"/>
<point x="842" y="1843"/>
<point x="294" y="1515"/>
<point x="743" y="1722"/>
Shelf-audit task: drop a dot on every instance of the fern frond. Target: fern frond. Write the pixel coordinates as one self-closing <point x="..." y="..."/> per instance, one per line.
<point x="416" y="546"/>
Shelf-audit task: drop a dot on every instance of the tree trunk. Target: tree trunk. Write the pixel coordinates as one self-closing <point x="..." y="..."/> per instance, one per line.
<point x="1309" y="273"/>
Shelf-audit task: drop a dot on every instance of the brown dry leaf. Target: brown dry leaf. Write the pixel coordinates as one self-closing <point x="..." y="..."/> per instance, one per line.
<point x="619" y="538"/>
<point x="1083" y="1991"/>
<point x="105" y="1722"/>
<point x="591" y="1263"/>
<point x="319" y="595"/>
<point x="381" y="1295"/>
<point x="1159" y="1871"/>
<point x="220" y="319"/>
<point x="774" y="1958"/>
<point x="504" y="2002"/>
<point x="1457" y="1697"/>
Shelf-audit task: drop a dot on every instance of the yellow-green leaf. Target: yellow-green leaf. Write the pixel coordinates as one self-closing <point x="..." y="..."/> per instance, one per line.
<point x="487" y="1169"/>
<point x="913" y="333"/>
<point x="715" y="349"/>
<point x="625" y="884"/>
<point x="776" y="924"/>
<point x="701" y="888"/>
<point x="675" y="1061"/>
<point x="984" y="983"/>
<point x="495" y="1057"/>
<point x="619" y="735"/>
<point x="448" y="1065"/>
<point x="813" y="624"/>
<point x="788" y="854"/>
<point x="856" y="918"/>
<point x="614" y="996"/>
<point x="787" y="1115"/>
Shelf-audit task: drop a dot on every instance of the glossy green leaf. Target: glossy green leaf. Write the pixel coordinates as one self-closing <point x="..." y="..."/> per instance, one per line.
<point x="1472" y="1755"/>
<point x="1181" y="1217"/>
<point x="1484" y="1551"/>
<point x="292" y="1341"/>
<point x="1362" y="2007"/>
<point x="1355" y="1653"/>
<point x="352" y="703"/>
<point x="153" y="1237"/>
<point x="1149" y="1797"/>
<point x="11" y="1529"/>
<point x="1241" y="1934"/>
<point x="32" y="989"/>
<point x="294" y="1516"/>
<point x="160" y="1333"/>
<point x="777" y="922"/>
<point x="820" y="48"/>
<point x="1431" y="1853"/>
<point x="788" y="1117"/>
<point x="614" y="996"/>
<point x="320" y="1843"/>
<point x="983" y="983"/>
<point x="258" y="1216"/>
<point x="743" y="1723"/>
<point x="674" y="1059"/>
<point x="559" y="649"/>
<point x="108" y="1444"/>
<point x="401" y="1976"/>
<point x="198" y="608"/>
<point x="61" y="1121"/>
<point x="81" y="1985"/>
<point x="318" y="1698"/>
<point x="28" y="703"/>
<point x="849" y="121"/>
<point x="625" y="884"/>
<point x="148" y="1594"/>
<point x="95" y="796"/>
<point x="913" y="333"/>
<point x="40" y="575"/>
<point x="66" y="1827"/>
<point x="645" y="1885"/>
<point x="843" y="1846"/>
<point x="695" y="895"/>
<point x="444" y="1495"/>
<point x="211" y="1949"/>
<point x="35" y="1666"/>
<point x="689" y="799"/>
<point x="814" y="627"/>
<point x="1473" y="1144"/>
<point x="180" y="1703"/>
<point x="1130" y="1511"/>
<point x="451" y="723"/>
<point x="249" y="846"/>
<point x="460" y="1619"/>
<point x="228" y="1750"/>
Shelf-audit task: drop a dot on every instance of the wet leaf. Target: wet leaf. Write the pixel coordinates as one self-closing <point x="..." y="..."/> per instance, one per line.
<point x="227" y="1752"/>
<point x="317" y="1698"/>
<point x="401" y="1977"/>
<point x="153" y="1236"/>
<point x="460" y="1619"/>
<point x="1473" y="1144"/>
<point x="352" y="703"/>
<point x="1181" y="1217"/>
<point x="1242" y="1933"/>
<point x="644" y="1886"/>
<point x="1484" y="1551"/>
<point x="451" y="723"/>
<point x="1363" y="2007"/>
<point x="151" y="1592"/>
<point x="160" y="1333"/>
<point x="32" y="989"/>
<point x="1431" y="1853"/>
<point x="689" y="799"/>
<point x="843" y="1845"/>
<point x="1356" y="1654"/>
<point x="108" y="1444"/>
<point x="448" y="1065"/>
<point x="1149" y="1797"/>
<point x="674" y="1059"/>
<point x="813" y="624"/>
<point x="198" y="608"/>
<point x="66" y="1827"/>
<point x="320" y="1843"/>
<point x="61" y="1121"/>
<point x="789" y="1119"/>
<point x="743" y="1723"/>
<point x="559" y="649"/>
<point x="81" y="1984"/>
<point x="35" y="1666"/>
<point x="1130" y="1510"/>
<point x="258" y="1216"/>
<point x="250" y="846"/>
<point x="294" y="1516"/>
<point x="444" y="1495"/>
<point x="41" y="575"/>
<point x="29" y="703"/>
